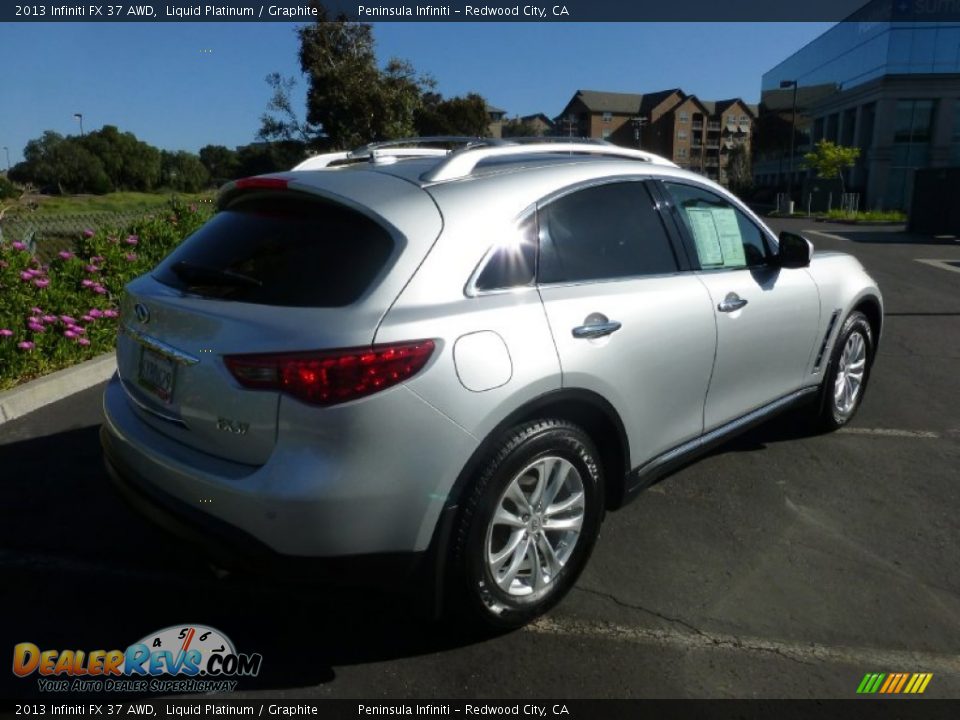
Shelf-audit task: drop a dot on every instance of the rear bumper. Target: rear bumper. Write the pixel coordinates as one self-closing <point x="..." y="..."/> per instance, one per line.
<point x="327" y="491"/>
<point x="234" y="549"/>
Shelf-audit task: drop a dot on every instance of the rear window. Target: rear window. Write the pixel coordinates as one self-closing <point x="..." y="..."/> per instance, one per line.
<point x="281" y="251"/>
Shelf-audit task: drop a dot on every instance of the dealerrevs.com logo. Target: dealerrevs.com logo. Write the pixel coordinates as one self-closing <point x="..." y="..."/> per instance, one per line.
<point x="180" y="658"/>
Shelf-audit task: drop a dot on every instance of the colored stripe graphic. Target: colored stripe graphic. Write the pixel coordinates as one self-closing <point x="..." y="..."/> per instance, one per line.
<point x="894" y="683"/>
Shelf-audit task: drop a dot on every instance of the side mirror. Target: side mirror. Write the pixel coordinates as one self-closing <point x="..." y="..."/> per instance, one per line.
<point x="795" y="250"/>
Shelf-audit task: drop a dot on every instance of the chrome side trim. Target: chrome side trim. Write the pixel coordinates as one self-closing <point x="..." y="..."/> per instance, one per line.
<point x="178" y="356"/>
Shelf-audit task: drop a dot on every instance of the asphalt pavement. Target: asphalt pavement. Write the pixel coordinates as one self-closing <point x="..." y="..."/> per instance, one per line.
<point x="782" y="565"/>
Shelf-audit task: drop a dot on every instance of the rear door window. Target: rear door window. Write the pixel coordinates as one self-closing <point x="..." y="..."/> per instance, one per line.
<point x="285" y="251"/>
<point x="603" y="232"/>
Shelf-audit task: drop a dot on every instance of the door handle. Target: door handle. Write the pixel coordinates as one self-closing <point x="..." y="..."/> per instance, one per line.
<point x="598" y="330"/>
<point x="731" y="302"/>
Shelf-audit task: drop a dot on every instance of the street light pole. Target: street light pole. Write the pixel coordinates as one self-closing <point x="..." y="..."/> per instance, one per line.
<point x="79" y="116"/>
<point x="793" y="131"/>
<point x="638" y="123"/>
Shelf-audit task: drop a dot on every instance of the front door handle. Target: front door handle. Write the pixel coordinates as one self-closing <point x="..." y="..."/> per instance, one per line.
<point x="731" y="302"/>
<point x="596" y="330"/>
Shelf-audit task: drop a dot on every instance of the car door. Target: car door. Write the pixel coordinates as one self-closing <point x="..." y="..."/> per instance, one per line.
<point x="628" y="322"/>
<point x="766" y="315"/>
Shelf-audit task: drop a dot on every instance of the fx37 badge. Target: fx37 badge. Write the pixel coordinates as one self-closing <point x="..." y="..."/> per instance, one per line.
<point x="232" y="426"/>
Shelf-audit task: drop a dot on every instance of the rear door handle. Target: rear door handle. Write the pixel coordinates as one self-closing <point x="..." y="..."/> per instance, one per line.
<point x="589" y="332"/>
<point x="731" y="302"/>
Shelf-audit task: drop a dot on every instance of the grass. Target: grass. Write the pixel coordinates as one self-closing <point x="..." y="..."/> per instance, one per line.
<point x="118" y="202"/>
<point x="868" y="216"/>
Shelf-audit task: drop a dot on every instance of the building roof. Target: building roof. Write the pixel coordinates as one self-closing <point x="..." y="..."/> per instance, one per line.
<point x="598" y="101"/>
<point x="651" y="100"/>
<point x="536" y="116"/>
<point x="495" y="109"/>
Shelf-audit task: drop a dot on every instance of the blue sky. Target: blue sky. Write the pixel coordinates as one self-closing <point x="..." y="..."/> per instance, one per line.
<point x="181" y="86"/>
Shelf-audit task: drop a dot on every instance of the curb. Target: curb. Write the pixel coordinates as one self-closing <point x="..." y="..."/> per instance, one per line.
<point x="40" y="392"/>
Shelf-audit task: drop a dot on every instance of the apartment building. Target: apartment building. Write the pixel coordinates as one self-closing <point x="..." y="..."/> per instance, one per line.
<point x="700" y="135"/>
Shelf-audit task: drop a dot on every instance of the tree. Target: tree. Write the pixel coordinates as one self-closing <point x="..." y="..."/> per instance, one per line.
<point x="221" y="162"/>
<point x="829" y="160"/>
<point x="183" y="171"/>
<point x="466" y="115"/>
<point x="519" y="128"/>
<point x="130" y="164"/>
<point x="281" y="121"/>
<point x="739" y="172"/>
<point x="350" y="98"/>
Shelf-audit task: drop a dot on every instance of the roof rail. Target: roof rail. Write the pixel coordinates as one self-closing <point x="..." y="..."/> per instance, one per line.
<point x="400" y="147"/>
<point x="461" y="163"/>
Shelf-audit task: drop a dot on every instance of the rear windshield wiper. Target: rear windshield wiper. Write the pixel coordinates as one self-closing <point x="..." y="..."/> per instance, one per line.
<point x="203" y="275"/>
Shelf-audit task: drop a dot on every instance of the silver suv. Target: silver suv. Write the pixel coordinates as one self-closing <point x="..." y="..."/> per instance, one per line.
<point x="453" y="363"/>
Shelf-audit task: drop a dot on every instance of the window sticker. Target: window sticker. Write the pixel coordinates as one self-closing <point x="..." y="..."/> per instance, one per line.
<point x="705" y="236"/>
<point x="716" y="234"/>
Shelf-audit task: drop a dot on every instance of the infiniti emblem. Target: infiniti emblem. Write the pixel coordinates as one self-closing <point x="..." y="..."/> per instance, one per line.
<point x="142" y="313"/>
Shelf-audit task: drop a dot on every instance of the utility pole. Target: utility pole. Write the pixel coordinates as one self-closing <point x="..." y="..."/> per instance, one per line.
<point x="638" y="124"/>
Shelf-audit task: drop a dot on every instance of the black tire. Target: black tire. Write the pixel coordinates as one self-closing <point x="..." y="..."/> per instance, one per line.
<point x="475" y="588"/>
<point x="831" y="413"/>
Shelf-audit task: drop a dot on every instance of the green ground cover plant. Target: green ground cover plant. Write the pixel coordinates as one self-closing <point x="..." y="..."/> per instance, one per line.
<point x="62" y="311"/>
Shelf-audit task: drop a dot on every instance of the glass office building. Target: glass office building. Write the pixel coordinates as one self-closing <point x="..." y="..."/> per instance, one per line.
<point x="886" y="80"/>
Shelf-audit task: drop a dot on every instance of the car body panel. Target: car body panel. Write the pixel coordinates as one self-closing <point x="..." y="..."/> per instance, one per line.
<point x="762" y="348"/>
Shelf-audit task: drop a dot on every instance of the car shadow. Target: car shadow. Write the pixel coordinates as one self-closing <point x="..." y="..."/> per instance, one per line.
<point x="82" y="571"/>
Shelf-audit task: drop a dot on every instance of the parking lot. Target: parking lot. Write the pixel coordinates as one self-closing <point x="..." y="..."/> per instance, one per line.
<point x="782" y="565"/>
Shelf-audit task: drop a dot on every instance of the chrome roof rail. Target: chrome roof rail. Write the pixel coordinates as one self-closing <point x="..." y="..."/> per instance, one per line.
<point x="390" y="150"/>
<point x="461" y="163"/>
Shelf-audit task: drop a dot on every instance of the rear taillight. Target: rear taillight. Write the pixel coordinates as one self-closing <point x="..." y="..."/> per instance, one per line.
<point x="328" y="377"/>
<point x="261" y="183"/>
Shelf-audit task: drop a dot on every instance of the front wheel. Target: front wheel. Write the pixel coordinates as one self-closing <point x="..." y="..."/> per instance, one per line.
<point x="529" y="523"/>
<point x="847" y="374"/>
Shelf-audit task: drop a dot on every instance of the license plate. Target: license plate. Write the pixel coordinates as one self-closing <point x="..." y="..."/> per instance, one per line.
<point x="157" y="374"/>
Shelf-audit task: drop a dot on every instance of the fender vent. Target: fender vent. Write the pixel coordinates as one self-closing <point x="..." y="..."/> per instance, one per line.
<point x="826" y="341"/>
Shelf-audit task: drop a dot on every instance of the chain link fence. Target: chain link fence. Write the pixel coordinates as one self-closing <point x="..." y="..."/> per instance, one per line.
<point x="47" y="235"/>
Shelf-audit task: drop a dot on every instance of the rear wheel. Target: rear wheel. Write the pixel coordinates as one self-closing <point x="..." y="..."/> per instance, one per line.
<point x="847" y="374"/>
<point x="529" y="524"/>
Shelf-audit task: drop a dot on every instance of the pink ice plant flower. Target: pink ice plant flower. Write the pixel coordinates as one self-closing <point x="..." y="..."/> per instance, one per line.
<point x="67" y="320"/>
<point x="69" y="334"/>
<point x="41" y="283"/>
<point x="91" y="268"/>
<point x="132" y="240"/>
<point x="130" y="257"/>
<point x="26" y="275"/>
<point x="50" y="319"/>
<point x="5" y="332"/>
<point x="110" y="313"/>
<point x="88" y="318"/>
<point x="33" y="327"/>
<point x="79" y="330"/>
<point x="99" y="289"/>
<point x="88" y="233"/>
<point x="95" y="313"/>
<point x="83" y="341"/>
<point x="65" y="254"/>
<point x="18" y="245"/>
<point x="26" y="345"/>
<point x="88" y="283"/>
